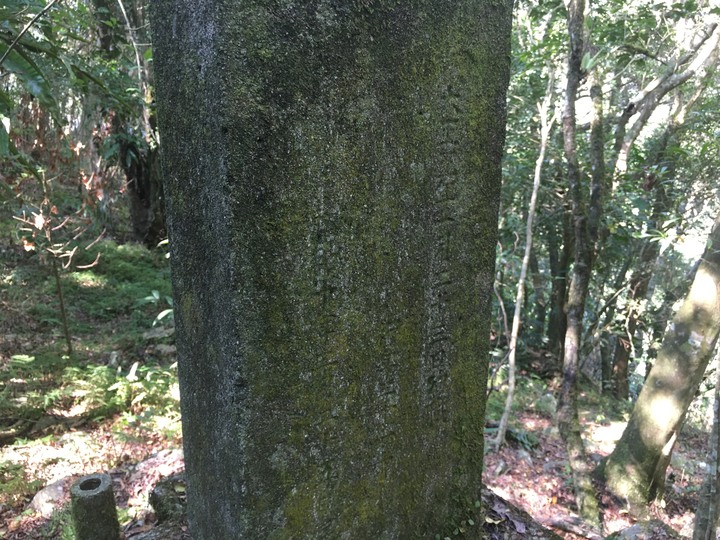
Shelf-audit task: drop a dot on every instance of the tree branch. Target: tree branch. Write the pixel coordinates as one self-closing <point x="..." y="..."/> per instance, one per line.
<point x="705" y="55"/>
<point x="27" y="27"/>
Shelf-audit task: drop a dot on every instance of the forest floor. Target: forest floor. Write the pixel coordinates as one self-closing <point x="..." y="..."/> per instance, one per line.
<point x="536" y="476"/>
<point x="113" y="406"/>
<point x="532" y="474"/>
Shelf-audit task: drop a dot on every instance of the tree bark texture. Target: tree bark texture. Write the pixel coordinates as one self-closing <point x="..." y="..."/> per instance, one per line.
<point x="568" y="422"/>
<point x="559" y="256"/>
<point x="708" y="501"/>
<point x="332" y="178"/>
<point x="536" y="326"/>
<point x="576" y="298"/>
<point x="636" y="468"/>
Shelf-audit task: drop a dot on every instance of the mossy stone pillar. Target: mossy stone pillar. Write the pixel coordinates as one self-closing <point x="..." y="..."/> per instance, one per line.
<point x="332" y="179"/>
<point x="93" y="509"/>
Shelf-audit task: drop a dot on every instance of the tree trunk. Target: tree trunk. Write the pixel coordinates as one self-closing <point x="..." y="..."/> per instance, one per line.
<point x="636" y="468"/>
<point x="143" y="177"/>
<point x="697" y="67"/>
<point x="109" y="34"/>
<point x="637" y="291"/>
<point x="546" y="123"/>
<point x="706" y="516"/>
<point x="585" y="226"/>
<point x="332" y="179"/>
<point x="137" y="154"/>
<point x="648" y="253"/>
<point x="537" y="324"/>
<point x="599" y="329"/>
<point x="559" y="263"/>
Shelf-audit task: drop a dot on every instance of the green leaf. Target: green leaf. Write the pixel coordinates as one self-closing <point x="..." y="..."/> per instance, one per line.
<point x="4" y="136"/>
<point x="32" y="78"/>
<point x="6" y="103"/>
<point x="36" y="47"/>
<point x="84" y="75"/>
<point x="164" y="313"/>
<point x="589" y="62"/>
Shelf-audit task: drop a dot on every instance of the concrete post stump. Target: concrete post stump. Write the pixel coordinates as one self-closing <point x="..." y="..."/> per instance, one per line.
<point x="93" y="508"/>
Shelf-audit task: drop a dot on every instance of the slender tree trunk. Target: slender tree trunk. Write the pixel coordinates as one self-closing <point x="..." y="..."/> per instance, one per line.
<point x="636" y="468"/>
<point x="698" y="66"/>
<point x="585" y="224"/>
<point x="609" y="342"/>
<point x="540" y="309"/>
<point x="559" y="256"/>
<point x="107" y="30"/>
<point x="61" y="300"/>
<point x="637" y="292"/>
<point x="333" y="180"/>
<point x="143" y="177"/>
<point x="659" y="173"/>
<point x="546" y="123"/>
<point x="706" y="516"/>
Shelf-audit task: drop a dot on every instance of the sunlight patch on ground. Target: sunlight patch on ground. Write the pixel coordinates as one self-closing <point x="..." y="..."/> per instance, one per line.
<point x="76" y="411"/>
<point x="504" y="493"/>
<point x="532" y="498"/>
<point x="88" y="279"/>
<point x="49" y="461"/>
<point x="537" y="492"/>
<point x="602" y="439"/>
<point x="535" y="423"/>
<point x="78" y="452"/>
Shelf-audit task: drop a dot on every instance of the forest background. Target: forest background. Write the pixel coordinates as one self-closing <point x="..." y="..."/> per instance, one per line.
<point x="610" y="194"/>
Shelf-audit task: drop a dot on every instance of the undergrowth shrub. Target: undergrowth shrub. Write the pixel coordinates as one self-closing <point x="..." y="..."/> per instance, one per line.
<point x="15" y="483"/>
<point x="106" y="390"/>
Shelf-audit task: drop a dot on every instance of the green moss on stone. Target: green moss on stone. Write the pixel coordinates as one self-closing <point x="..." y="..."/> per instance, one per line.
<point x="353" y="169"/>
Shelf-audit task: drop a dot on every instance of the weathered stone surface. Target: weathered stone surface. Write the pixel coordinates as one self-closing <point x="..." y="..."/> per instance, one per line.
<point x="50" y="498"/>
<point x="94" y="513"/>
<point x="652" y="529"/>
<point x="168" y="498"/>
<point x="332" y="175"/>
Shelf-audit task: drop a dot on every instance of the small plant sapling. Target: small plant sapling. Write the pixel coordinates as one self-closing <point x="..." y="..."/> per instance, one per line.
<point x="56" y="238"/>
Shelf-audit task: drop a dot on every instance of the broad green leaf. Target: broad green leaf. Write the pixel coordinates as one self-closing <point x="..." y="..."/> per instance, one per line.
<point x="37" y="47"/>
<point x="32" y="78"/>
<point x="4" y="136"/>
